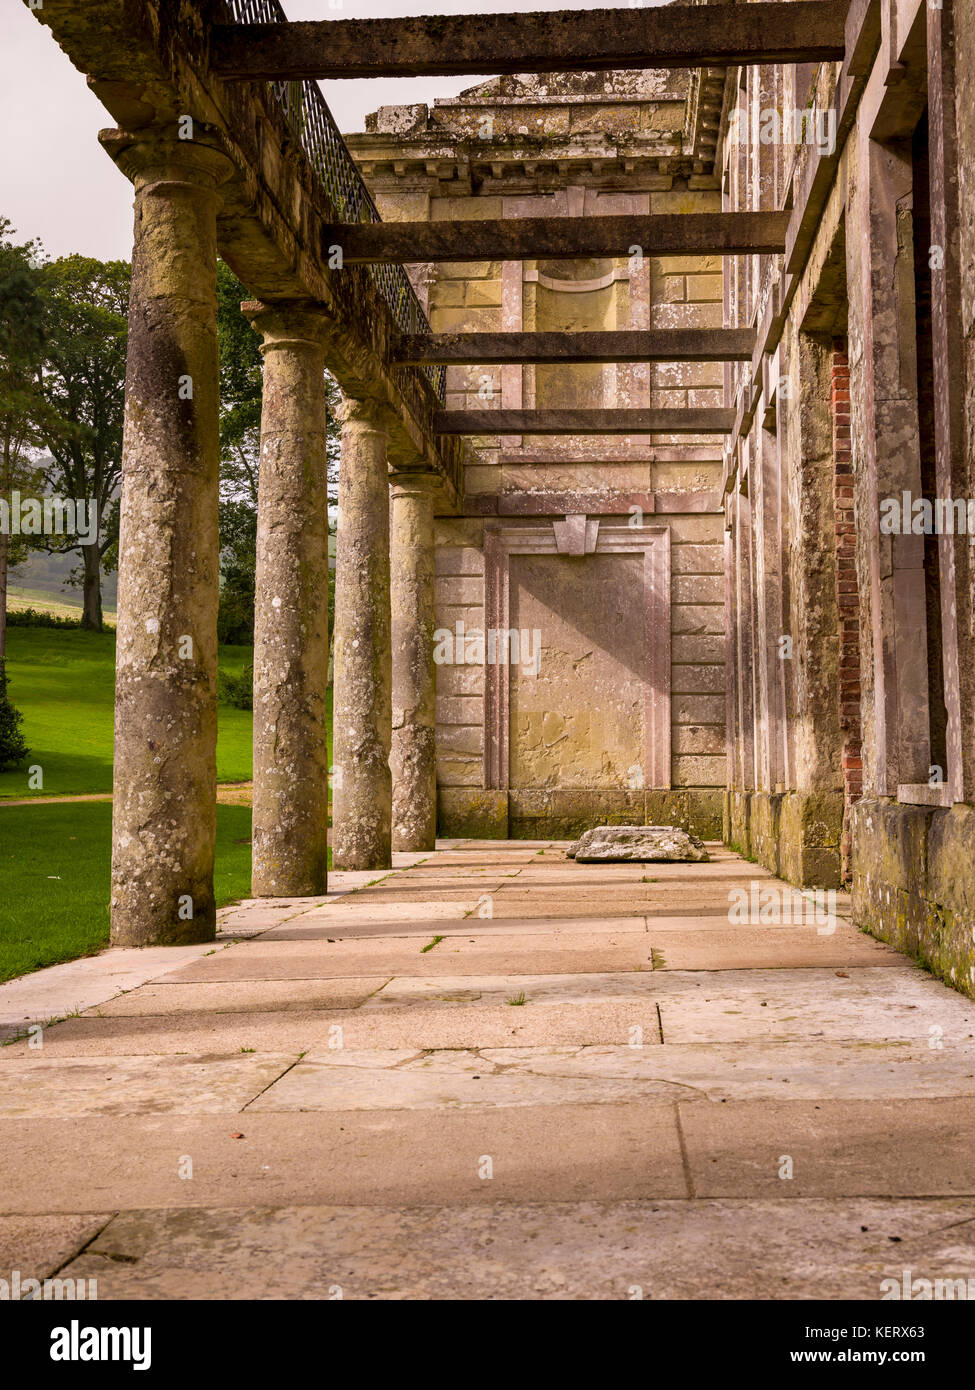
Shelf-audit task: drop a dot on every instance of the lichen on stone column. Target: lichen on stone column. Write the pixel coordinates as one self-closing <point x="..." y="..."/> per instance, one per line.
<point x="361" y="783"/>
<point x="290" y="805"/>
<point x="413" y="757"/>
<point x="164" y="812"/>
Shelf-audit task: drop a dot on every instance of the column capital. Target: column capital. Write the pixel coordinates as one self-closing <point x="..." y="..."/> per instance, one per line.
<point x="159" y="156"/>
<point x="414" y="484"/>
<point x="290" y="323"/>
<point x="367" y="410"/>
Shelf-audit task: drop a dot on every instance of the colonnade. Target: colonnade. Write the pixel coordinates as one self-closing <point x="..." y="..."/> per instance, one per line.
<point x="382" y="773"/>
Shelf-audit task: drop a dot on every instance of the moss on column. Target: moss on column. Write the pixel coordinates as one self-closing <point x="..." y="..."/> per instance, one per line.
<point x="413" y="758"/>
<point x="164" y="813"/>
<point x="362" y="785"/>
<point x="291" y="609"/>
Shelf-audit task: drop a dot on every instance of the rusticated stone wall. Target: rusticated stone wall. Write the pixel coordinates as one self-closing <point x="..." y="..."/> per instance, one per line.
<point x="851" y="735"/>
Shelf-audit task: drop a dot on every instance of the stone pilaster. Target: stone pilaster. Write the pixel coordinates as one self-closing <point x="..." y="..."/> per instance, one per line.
<point x="164" y="813"/>
<point x="291" y="609"/>
<point x="413" y="758"/>
<point x="362" y="784"/>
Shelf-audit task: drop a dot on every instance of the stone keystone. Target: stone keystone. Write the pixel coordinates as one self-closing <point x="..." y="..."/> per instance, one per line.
<point x="606" y="843"/>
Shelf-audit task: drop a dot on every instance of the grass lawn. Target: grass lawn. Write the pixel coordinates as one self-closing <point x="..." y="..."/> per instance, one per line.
<point x="55" y="859"/>
<point x="54" y="867"/>
<point x="63" y="682"/>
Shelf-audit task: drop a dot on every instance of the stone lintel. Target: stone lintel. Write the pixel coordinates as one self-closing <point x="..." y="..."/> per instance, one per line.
<point x="655" y="345"/>
<point x="559" y="238"/>
<point x="672" y="36"/>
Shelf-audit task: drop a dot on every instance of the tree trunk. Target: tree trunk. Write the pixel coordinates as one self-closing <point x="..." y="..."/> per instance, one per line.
<point x="92" y="615"/>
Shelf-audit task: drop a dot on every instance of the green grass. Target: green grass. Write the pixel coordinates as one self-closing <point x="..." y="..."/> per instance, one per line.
<point x="63" y="682"/>
<point x="54" y="866"/>
<point x="55" y="859"/>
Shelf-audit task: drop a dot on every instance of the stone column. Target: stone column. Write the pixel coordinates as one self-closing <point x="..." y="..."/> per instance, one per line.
<point x="164" y="812"/>
<point x="291" y="609"/>
<point x="413" y="759"/>
<point x="362" y="719"/>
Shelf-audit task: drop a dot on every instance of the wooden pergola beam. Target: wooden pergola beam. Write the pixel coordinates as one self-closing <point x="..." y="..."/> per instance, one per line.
<point x="653" y="345"/>
<point x="668" y="36"/>
<point x="557" y="238"/>
<point x="634" y="421"/>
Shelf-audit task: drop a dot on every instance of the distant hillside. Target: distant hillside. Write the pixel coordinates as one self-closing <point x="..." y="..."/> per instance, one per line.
<point x="48" y="574"/>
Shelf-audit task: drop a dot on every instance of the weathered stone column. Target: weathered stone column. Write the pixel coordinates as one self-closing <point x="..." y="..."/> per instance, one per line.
<point x="164" y="812"/>
<point x="291" y="610"/>
<point x="413" y="759"/>
<point x="362" y="785"/>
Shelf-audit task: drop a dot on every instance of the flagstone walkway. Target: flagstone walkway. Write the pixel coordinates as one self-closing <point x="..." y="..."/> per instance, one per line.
<point x="494" y="1073"/>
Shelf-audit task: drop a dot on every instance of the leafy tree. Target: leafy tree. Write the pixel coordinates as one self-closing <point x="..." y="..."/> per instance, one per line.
<point x="22" y="409"/>
<point x="13" y="749"/>
<point x="86" y="315"/>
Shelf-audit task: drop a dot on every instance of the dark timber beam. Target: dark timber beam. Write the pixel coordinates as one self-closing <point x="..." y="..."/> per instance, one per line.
<point x="488" y="422"/>
<point x="668" y="36"/>
<point x="655" y="345"/>
<point x="558" y="238"/>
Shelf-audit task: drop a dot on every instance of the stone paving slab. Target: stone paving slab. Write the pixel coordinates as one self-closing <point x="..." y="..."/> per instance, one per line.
<point x="757" y="948"/>
<point x="325" y="922"/>
<point x="542" y="990"/>
<point x="417" y="1026"/>
<point x="38" y="1246"/>
<point x="347" y="1079"/>
<point x="340" y="1080"/>
<point x="570" y="874"/>
<point x="810" y="1070"/>
<point x="61" y="990"/>
<point x="228" y="995"/>
<point x="43" y="1088"/>
<point x="402" y="956"/>
<point x="513" y="903"/>
<point x="546" y="927"/>
<point x="321" y="1084"/>
<point x="671" y="1249"/>
<point x="298" y="1159"/>
<point x="879" y="1002"/>
<point x="837" y="1147"/>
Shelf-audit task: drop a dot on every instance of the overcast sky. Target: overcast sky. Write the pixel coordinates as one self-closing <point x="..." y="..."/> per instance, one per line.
<point x="57" y="184"/>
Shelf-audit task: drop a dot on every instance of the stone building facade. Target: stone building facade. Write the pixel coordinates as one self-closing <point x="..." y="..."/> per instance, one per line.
<point x="608" y="547"/>
<point x="851" y="742"/>
<point x="815" y="705"/>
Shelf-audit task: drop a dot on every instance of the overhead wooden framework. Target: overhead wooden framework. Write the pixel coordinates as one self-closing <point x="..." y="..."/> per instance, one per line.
<point x="634" y="421"/>
<point x="665" y="36"/>
<point x="653" y="345"/>
<point x="558" y="238"/>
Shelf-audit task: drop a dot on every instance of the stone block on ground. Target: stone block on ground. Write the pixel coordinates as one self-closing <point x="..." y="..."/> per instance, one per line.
<point x="606" y="843"/>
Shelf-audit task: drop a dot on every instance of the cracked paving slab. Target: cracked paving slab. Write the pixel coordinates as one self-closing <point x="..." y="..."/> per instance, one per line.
<point x="765" y="1249"/>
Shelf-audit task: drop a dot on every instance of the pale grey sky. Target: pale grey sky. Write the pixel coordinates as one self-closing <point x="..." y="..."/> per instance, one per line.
<point x="57" y="184"/>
